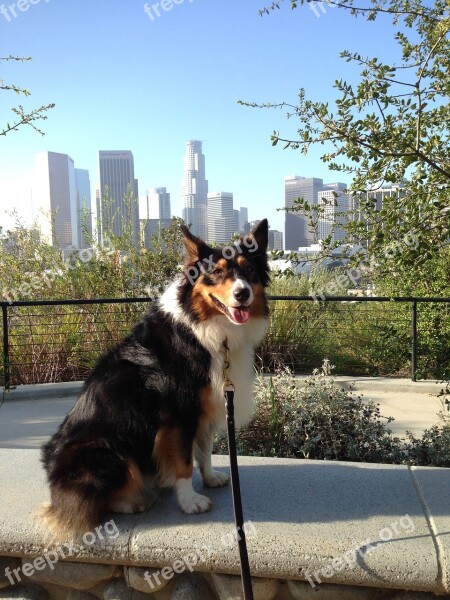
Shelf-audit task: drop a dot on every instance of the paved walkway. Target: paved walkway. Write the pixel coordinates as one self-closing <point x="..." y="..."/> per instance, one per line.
<point x="30" y="414"/>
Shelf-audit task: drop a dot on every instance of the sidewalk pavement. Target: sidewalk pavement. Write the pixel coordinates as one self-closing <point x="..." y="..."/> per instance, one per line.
<point x="30" y="414"/>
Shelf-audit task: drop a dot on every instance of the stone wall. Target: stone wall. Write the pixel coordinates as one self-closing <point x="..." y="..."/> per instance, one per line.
<point x="90" y="581"/>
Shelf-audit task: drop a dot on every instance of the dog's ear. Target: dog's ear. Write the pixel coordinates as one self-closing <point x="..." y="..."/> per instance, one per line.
<point x="256" y="243"/>
<point x="196" y="249"/>
<point x="259" y="235"/>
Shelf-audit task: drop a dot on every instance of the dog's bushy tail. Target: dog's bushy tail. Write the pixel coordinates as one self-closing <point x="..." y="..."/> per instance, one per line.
<point x="81" y="478"/>
<point x="71" y="518"/>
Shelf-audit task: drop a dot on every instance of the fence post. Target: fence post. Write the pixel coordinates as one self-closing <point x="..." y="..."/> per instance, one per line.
<point x="414" y="340"/>
<point x="6" y="369"/>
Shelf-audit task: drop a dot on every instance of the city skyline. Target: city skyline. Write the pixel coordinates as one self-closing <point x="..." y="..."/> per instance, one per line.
<point x="63" y="190"/>
<point x="186" y="93"/>
<point x="68" y="199"/>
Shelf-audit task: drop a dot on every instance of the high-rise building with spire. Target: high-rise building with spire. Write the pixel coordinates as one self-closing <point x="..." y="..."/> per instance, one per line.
<point x="195" y="190"/>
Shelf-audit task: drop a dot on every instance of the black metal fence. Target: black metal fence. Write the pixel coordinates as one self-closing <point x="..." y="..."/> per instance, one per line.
<point x="60" y="340"/>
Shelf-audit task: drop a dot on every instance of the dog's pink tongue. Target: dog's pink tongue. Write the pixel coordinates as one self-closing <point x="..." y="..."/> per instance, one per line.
<point x="240" y="314"/>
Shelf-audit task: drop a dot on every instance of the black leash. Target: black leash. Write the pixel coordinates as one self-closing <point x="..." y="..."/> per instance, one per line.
<point x="228" y="389"/>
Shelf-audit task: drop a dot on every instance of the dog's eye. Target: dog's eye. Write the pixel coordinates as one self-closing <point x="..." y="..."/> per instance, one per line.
<point x="248" y="269"/>
<point x="217" y="272"/>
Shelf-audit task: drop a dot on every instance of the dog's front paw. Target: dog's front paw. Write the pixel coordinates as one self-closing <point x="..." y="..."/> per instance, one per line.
<point x="196" y="503"/>
<point x="191" y="502"/>
<point x="215" y="479"/>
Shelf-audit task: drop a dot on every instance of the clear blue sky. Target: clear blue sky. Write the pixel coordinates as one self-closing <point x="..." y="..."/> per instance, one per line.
<point x="122" y="81"/>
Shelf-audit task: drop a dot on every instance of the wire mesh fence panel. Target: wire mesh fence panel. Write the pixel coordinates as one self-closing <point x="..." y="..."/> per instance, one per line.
<point x="61" y="342"/>
<point x="54" y="343"/>
<point x="355" y="337"/>
<point x="433" y="335"/>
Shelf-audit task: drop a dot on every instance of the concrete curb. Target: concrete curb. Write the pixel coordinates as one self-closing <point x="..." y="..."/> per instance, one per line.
<point x="43" y="390"/>
<point x="384" y="384"/>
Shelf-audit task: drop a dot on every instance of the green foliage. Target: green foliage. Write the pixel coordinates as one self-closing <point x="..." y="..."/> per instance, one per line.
<point x="55" y="343"/>
<point x="392" y="126"/>
<point x="358" y="338"/>
<point x="22" y="116"/>
<point x="32" y="269"/>
<point x="431" y="279"/>
<point x="317" y="420"/>
<point x="433" y="448"/>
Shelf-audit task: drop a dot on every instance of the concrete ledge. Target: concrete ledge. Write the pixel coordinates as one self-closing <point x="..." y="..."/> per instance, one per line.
<point x="353" y="524"/>
<point x="44" y="391"/>
<point x="386" y="384"/>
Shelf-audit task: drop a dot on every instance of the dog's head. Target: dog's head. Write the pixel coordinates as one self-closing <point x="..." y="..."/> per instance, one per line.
<point x="228" y="280"/>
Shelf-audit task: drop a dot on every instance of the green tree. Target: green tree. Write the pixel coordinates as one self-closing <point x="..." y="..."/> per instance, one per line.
<point x="392" y="126"/>
<point x="22" y="116"/>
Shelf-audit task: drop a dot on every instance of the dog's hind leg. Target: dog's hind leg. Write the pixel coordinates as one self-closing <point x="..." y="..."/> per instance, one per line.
<point x="172" y="453"/>
<point x="131" y="497"/>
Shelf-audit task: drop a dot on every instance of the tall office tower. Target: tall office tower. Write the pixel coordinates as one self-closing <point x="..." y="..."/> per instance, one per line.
<point x="336" y="207"/>
<point x="235" y="220"/>
<point x="84" y="214"/>
<point x="221" y="223"/>
<point x="388" y="190"/>
<point x="55" y="199"/>
<point x="275" y="240"/>
<point x="118" y="211"/>
<point x="297" y="231"/>
<point x="243" y="220"/>
<point x="152" y="228"/>
<point x="155" y="204"/>
<point x="195" y="190"/>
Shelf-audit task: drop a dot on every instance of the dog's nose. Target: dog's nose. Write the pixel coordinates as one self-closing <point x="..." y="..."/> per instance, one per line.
<point x="242" y="294"/>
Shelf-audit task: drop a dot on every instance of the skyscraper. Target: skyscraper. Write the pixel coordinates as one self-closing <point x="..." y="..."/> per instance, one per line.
<point x="297" y="230"/>
<point x="55" y="199"/>
<point x="221" y="219"/>
<point x="243" y="220"/>
<point x="195" y="190"/>
<point x="84" y="220"/>
<point x="117" y="209"/>
<point x="275" y="240"/>
<point x="155" y="204"/>
<point x="335" y="204"/>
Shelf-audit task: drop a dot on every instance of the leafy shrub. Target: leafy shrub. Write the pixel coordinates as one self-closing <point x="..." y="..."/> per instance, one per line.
<point x="433" y="448"/>
<point x="317" y="420"/>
